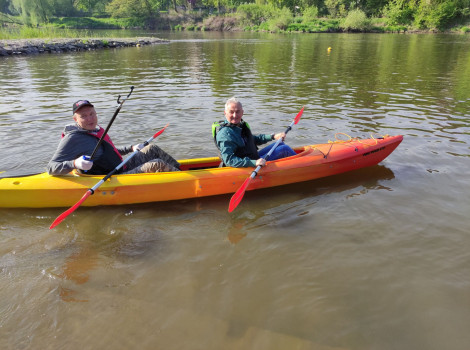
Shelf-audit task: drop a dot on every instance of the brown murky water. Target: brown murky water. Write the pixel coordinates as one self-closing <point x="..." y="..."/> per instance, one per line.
<point x="374" y="259"/>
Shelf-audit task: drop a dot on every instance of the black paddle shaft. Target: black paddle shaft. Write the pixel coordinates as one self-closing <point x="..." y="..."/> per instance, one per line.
<point x="120" y="102"/>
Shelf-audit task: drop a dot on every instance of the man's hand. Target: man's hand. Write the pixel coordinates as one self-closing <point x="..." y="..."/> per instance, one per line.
<point x="279" y="136"/>
<point x="261" y="162"/>
<point x="137" y="147"/>
<point x="83" y="163"/>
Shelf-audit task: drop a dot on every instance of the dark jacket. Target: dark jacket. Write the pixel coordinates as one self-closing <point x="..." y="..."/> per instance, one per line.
<point x="77" y="142"/>
<point x="237" y="145"/>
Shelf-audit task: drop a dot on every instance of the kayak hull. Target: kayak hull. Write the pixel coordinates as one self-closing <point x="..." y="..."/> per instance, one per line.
<point x="199" y="177"/>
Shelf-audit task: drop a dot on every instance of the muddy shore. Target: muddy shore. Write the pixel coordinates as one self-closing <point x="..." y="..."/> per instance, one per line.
<point x="38" y="46"/>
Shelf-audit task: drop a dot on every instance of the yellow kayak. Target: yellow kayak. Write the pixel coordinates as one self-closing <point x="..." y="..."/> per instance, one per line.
<point x="199" y="177"/>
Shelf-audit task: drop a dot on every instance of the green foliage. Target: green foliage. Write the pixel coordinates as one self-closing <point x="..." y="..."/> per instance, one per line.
<point x="135" y="8"/>
<point x="310" y="14"/>
<point x="265" y="17"/>
<point x="398" y="13"/>
<point x="96" y="23"/>
<point x="26" y="32"/>
<point x="280" y="21"/>
<point x="91" y="6"/>
<point x="356" y="20"/>
<point x="4" y="4"/>
<point x="436" y="15"/>
<point x="315" y="26"/>
<point x="373" y="7"/>
<point x="270" y="15"/>
<point x="337" y="8"/>
<point x="255" y="14"/>
<point x="33" y="12"/>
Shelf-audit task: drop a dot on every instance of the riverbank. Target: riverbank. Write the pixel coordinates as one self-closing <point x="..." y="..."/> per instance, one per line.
<point x="38" y="46"/>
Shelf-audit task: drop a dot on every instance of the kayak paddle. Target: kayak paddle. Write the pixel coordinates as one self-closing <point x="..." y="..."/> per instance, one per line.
<point x="92" y="190"/>
<point x="120" y="102"/>
<point x="238" y="196"/>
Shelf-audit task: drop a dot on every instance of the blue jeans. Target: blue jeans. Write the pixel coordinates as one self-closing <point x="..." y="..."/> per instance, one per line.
<point x="281" y="151"/>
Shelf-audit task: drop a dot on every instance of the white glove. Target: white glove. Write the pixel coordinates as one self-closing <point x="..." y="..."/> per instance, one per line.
<point x="137" y="147"/>
<point x="82" y="163"/>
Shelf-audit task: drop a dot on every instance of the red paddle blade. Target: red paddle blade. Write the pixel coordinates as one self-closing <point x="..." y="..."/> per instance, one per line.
<point x="238" y="196"/>
<point x="69" y="211"/>
<point x="161" y="131"/>
<point x="297" y="118"/>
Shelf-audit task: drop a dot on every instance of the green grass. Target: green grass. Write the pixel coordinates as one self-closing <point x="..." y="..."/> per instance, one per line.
<point x="95" y="23"/>
<point x="40" y="33"/>
<point x="315" y="26"/>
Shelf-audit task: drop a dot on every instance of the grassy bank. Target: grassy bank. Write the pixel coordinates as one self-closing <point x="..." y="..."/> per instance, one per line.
<point x="79" y="27"/>
<point x="96" y="23"/>
<point x="48" y="32"/>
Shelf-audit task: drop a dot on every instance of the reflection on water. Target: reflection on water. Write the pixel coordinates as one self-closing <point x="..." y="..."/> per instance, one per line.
<point x="362" y="260"/>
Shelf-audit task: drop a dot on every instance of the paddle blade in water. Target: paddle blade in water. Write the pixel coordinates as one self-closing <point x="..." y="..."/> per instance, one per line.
<point x="66" y="213"/>
<point x="238" y="196"/>
<point x="297" y="118"/>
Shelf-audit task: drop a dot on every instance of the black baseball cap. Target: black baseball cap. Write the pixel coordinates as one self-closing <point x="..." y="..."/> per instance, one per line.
<point x="81" y="103"/>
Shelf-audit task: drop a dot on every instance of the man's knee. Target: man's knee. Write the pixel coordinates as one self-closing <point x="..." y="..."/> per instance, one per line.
<point x="156" y="166"/>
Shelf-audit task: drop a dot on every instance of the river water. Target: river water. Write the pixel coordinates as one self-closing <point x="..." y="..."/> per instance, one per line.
<point x="374" y="259"/>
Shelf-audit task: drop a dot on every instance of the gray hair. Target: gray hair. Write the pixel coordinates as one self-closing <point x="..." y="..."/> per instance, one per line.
<point x="233" y="100"/>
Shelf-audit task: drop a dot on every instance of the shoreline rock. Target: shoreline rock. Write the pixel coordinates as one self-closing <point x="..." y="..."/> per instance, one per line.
<point x="38" y="46"/>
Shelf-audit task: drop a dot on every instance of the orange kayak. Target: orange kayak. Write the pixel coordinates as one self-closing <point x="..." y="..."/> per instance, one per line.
<point x="200" y="177"/>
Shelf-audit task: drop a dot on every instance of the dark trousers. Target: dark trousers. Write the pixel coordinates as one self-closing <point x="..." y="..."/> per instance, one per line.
<point x="151" y="159"/>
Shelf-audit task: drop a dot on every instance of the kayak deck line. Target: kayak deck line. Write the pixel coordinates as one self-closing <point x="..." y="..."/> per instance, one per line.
<point x="200" y="177"/>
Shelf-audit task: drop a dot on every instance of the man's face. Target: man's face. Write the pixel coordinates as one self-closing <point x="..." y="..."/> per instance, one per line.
<point x="86" y="118"/>
<point x="234" y="113"/>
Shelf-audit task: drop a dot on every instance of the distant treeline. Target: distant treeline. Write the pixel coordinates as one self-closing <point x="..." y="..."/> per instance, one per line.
<point x="272" y="15"/>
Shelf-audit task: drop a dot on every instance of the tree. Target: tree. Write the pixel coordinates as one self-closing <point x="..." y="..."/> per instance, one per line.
<point x="130" y="8"/>
<point x="337" y="8"/>
<point x="4" y="5"/>
<point x="373" y="7"/>
<point x="90" y="6"/>
<point x="33" y="12"/>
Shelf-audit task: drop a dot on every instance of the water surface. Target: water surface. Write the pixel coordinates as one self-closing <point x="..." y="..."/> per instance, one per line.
<point x="373" y="259"/>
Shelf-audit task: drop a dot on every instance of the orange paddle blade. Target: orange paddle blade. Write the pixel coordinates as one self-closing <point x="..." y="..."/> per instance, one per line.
<point x="69" y="211"/>
<point x="238" y="196"/>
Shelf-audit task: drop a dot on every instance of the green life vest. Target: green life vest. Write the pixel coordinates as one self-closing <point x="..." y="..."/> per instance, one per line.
<point x="250" y="149"/>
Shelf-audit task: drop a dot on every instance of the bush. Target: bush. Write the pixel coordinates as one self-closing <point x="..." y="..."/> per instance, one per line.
<point x="397" y="15"/>
<point x="315" y="26"/>
<point x="265" y="17"/>
<point x="356" y="20"/>
<point x="442" y="15"/>
<point x="310" y="14"/>
<point x="254" y="14"/>
<point x="437" y="16"/>
<point x="281" y="21"/>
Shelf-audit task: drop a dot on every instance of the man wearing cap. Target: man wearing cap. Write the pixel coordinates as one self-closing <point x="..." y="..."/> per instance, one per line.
<point x="80" y="139"/>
